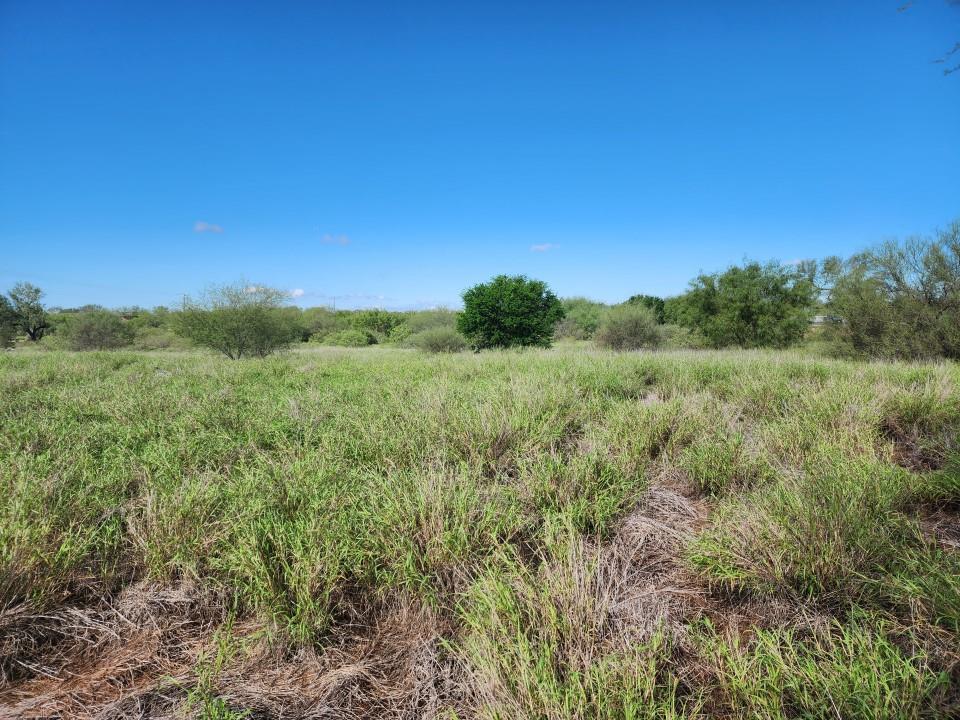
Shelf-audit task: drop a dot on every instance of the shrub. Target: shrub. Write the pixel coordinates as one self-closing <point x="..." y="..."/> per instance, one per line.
<point x="899" y="300"/>
<point x="320" y="322"/>
<point x="350" y="338"/>
<point x="98" y="330"/>
<point x="656" y="304"/>
<point x="628" y="327"/>
<point x="509" y="311"/>
<point x="239" y="320"/>
<point x="377" y="323"/>
<point x="751" y="306"/>
<point x="581" y="318"/>
<point x="158" y="338"/>
<point x="438" y="340"/>
<point x="675" y="337"/>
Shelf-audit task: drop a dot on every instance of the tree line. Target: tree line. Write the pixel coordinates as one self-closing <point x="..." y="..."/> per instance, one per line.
<point x="896" y="300"/>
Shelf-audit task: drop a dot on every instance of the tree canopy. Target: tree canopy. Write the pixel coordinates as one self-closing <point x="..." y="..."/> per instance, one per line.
<point x="751" y="306"/>
<point x="898" y="299"/>
<point x="30" y="316"/>
<point x="509" y="311"/>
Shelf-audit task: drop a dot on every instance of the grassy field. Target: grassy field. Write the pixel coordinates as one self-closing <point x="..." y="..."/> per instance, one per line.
<point x="551" y="534"/>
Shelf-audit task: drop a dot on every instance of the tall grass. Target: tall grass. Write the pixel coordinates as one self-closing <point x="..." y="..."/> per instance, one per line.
<point x="313" y="492"/>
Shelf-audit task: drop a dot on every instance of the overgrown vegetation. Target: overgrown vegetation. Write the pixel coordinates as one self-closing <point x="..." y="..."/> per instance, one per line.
<point x="751" y="306"/>
<point x="628" y="327"/>
<point x="559" y="534"/>
<point x="898" y="299"/>
<point x="240" y="320"/>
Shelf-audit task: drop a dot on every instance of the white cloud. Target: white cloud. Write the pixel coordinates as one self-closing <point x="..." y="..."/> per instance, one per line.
<point x="543" y="247"/>
<point x="297" y="292"/>
<point x="201" y="226"/>
<point x="329" y="239"/>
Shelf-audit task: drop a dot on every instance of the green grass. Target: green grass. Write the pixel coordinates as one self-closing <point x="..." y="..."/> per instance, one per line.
<point x="313" y="492"/>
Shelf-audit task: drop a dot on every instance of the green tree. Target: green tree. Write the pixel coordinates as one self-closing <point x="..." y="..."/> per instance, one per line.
<point x="239" y="320"/>
<point x="899" y="299"/>
<point x="98" y="330"/>
<point x="31" y="317"/>
<point x="751" y="306"/>
<point x="509" y="311"/>
<point x="656" y="304"/>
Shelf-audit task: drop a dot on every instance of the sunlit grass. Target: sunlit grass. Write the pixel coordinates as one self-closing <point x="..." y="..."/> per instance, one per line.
<point x="303" y="487"/>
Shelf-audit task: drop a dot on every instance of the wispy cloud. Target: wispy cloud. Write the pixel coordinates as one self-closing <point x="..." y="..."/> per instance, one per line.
<point x="201" y="226"/>
<point x="297" y="292"/>
<point x="543" y="247"/>
<point x="329" y="239"/>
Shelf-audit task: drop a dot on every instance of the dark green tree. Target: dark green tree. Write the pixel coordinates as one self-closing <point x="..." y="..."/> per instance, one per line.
<point x="751" y="306"/>
<point x="239" y="320"/>
<point x="31" y="316"/>
<point x="509" y="311"/>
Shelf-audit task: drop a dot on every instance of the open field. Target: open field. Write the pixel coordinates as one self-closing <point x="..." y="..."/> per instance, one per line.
<point x="549" y="534"/>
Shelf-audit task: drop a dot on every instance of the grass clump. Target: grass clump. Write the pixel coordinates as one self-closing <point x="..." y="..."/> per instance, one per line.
<point x="848" y="670"/>
<point x="543" y="644"/>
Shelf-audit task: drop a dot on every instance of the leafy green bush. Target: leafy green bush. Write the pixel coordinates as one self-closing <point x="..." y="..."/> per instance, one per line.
<point x="751" y="306"/>
<point x="98" y="330"/>
<point x="239" y="320"/>
<point x="581" y="318"/>
<point x="675" y="337"/>
<point x="509" y="311"/>
<point x="350" y="338"/>
<point x="320" y="322"/>
<point x="379" y="324"/>
<point x="628" y="327"/>
<point x="438" y="340"/>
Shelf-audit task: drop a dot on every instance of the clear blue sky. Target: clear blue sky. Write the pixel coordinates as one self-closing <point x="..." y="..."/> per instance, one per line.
<point x="392" y="154"/>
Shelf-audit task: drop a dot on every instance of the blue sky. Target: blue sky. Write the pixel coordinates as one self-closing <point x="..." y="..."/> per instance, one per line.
<point x="392" y="154"/>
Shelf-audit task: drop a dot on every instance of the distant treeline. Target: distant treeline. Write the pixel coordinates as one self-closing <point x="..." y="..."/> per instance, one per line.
<point x="897" y="300"/>
<point x="93" y="327"/>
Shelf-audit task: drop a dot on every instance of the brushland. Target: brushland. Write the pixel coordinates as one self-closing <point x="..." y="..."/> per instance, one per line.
<point x="379" y="533"/>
